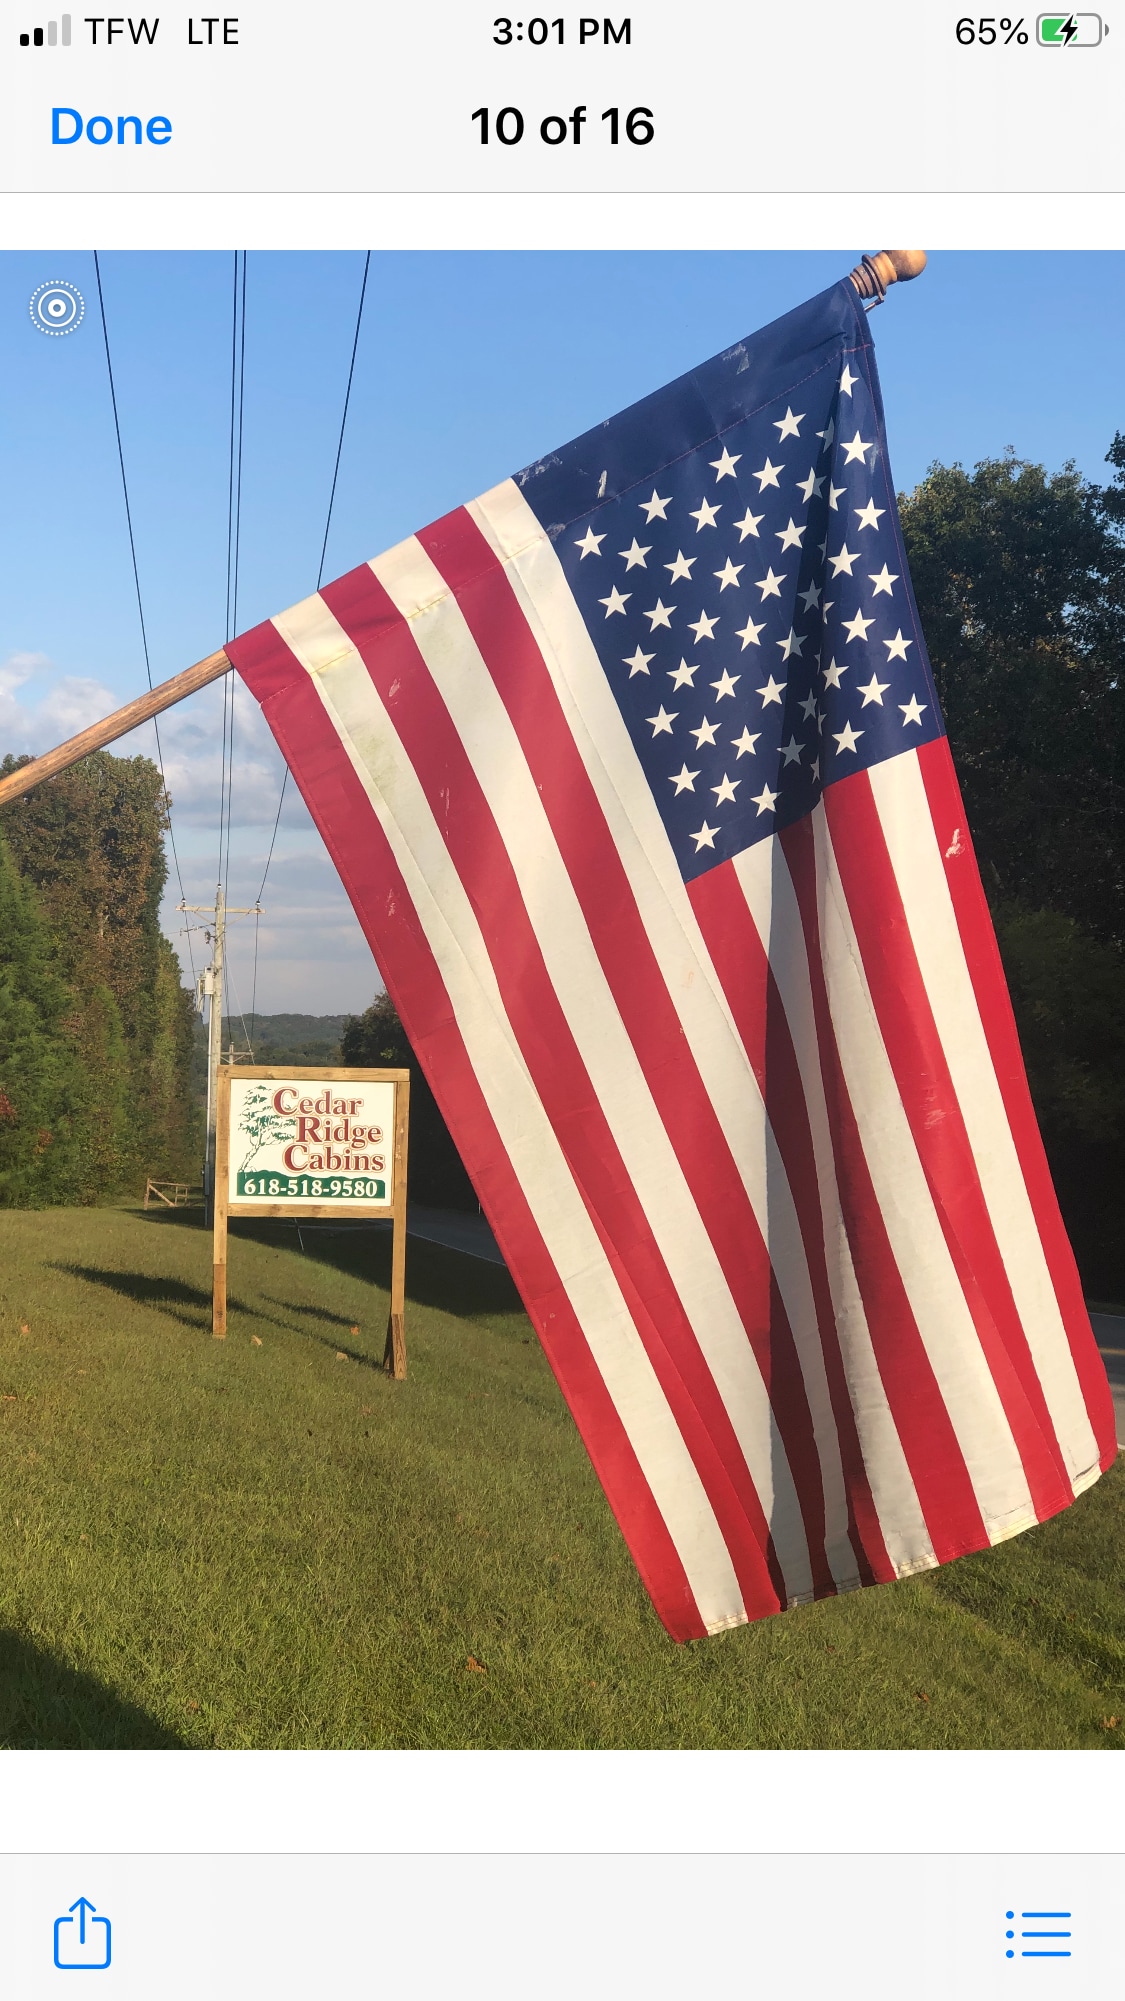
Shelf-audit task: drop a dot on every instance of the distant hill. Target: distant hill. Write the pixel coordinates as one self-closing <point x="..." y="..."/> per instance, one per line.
<point x="278" y="1038"/>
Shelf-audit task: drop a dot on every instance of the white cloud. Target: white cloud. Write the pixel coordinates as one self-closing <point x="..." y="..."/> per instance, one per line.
<point x="39" y="708"/>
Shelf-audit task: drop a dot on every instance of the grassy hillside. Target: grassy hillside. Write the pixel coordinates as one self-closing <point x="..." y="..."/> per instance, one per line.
<point x="267" y="1542"/>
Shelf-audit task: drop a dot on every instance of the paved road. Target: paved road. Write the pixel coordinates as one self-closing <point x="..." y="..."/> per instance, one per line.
<point x="1109" y="1332"/>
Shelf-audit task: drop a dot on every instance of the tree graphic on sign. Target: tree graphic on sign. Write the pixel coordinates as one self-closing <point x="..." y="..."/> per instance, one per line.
<point x="261" y="1124"/>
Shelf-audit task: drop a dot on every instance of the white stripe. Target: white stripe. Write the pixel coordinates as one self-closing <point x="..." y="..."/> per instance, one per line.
<point x="544" y="596"/>
<point x="417" y="589"/>
<point x="387" y="776"/>
<point x="904" y="811"/>
<point x="764" y="878"/>
<point x="917" y="1242"/>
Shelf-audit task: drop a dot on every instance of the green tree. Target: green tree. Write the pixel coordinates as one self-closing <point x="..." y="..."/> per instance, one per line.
<point x="376" y="1040"/>
<point x="41" y="1080"/>
<point x="90" y="842"/>
<point x="1020" y="581"/>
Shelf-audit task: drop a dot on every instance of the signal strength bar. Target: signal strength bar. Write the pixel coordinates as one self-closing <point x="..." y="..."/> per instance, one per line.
<point x="36" y="38"/>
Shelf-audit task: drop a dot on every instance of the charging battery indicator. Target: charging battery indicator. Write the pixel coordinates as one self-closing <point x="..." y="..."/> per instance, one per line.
<point x="1069" y="31"/>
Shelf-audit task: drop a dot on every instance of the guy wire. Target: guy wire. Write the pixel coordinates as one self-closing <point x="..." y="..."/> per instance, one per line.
<point x="137" y="585"/>
<point x="319" y="581"/>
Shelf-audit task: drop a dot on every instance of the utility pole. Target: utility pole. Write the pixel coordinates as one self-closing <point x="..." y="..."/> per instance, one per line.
<point x="211" y="989"/>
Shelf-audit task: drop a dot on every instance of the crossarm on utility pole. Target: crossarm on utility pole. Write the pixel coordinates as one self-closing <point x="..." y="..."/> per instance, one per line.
<point x="114" y="726"/>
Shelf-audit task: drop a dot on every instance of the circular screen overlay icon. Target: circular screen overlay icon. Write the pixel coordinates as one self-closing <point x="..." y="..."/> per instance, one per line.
<point x="57" y="308"/>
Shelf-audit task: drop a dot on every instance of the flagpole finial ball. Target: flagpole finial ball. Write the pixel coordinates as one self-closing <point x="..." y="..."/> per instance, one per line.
<point x="887" y="267"/>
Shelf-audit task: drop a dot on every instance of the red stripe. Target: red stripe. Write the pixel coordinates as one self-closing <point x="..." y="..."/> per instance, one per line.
<point x="624" y="950"/>
<point x="982" y="957"/>
<point x="740" y="960"/>
<point x="921" y="1073"/>
<point x="937" y="1468"/>
<point x="434" y="748"/>
<point x="354" y="838"/>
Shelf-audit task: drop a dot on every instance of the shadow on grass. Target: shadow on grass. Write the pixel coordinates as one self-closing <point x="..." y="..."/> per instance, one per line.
<point x="166" y="1294"/>
<point x="46" y="1706"/>
<point x="435" y="1276"/>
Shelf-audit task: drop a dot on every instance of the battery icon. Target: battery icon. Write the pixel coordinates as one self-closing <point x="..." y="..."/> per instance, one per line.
<point x="1069" y="31"/>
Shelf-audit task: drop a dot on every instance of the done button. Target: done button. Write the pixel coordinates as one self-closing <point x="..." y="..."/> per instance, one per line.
<point x="68" y="127"/>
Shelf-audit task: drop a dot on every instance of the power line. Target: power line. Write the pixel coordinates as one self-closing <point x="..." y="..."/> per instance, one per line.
<point x="137" y="585"/>
<point x="234" y="532"/>
<point x="319" y="580"/>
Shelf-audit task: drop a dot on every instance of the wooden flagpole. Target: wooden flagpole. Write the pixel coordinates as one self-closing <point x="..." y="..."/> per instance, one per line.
<point x="111" y="727"/>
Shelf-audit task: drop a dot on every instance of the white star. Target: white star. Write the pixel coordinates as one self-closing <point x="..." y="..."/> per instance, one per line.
<point x="843" y="561"/>
<point x="748" y="524"/>
<point x="768" y="475"/>
<point x="681" y="676"/>
<point x="792" y="645"/>
<point x="769" y="585"/>
<point x="810" y="598"/>
<point x="725" y="685"/>
<point x="808" y="707"/>
<point x="912" y="711"/>
<point x="636" y="555"/>
<point x="704" y="515"/>
<point x="791" y="751"/>
<point x="765" y="800"/>
<point x="856" y="628"/>
<point x="869" y="516"/>
<point x="681" y="567"/>
<point x="814" y="769"/>
<point x="832" y="674"/>
<point x="748" y="634"/>
<point x="829" y="434"/>
<point x="661" y="722"/>
<point x="705" y="837"/>
<point x="684" y="780"/>
<point x="856" y="449"/>
<point x="703" y="627"/>
<point x="772" y="692"/>
<point x="591" y="544"/>
<point x="659" y="615"/>
<point x="788" y="426"/>
<point x="725" y="792"/>
<point x="883" y="581"/>
<point x="704" y="734"/>
<point x="811" y="486"/>
<point x="744" y="744"/>
<point x="834" y="493"/>
<point x="896" y="647"/>
<point x="847" y="737"/>
<point x="615" y="602"/>
<point x="847" y="381"/>
<point x="790" y="535"/>
<point x="654" y="508"/>
<point x="874" y="691"/>
<point x="724" y="467"/>
<point x="637" y="662"/>
<point x="729" y="574"/>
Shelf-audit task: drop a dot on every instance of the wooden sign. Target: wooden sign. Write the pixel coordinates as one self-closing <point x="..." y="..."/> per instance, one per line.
<point x="307" y="1142"/>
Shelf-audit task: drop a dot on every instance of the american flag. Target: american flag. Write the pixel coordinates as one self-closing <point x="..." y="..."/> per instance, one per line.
<point x="635" y="774"/>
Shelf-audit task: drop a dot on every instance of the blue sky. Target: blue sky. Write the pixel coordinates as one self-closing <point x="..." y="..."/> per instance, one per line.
<point x="469" y="366"/>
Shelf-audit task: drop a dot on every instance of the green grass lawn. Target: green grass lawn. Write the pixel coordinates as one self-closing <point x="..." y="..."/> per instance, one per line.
<point x="231" y="1544"/>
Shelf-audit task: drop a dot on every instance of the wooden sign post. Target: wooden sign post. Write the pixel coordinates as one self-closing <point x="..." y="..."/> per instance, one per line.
<point x="314" y="1143"/>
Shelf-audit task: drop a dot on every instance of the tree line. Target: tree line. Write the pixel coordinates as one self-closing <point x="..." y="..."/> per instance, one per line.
<point x="95" y="1025"/>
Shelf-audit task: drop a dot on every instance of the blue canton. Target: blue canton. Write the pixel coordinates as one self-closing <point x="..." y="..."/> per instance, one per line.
<point x="744" y="580"/>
